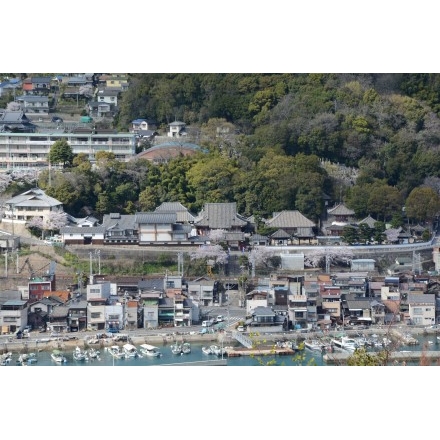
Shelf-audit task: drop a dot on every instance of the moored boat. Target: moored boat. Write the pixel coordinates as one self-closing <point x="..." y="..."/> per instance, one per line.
<point x="207" y="350"/>
<point x="176" y="348"/>
<point x="149" y="350"/>
<point x="80" y="354"/>
<point x="27" y="359"/>
<point x="186" y="348"/>
<point x="116" y="352"/>
<point x="58" y="357"/>
<point x="130" y="351"/>
<point x="93" y="353"/>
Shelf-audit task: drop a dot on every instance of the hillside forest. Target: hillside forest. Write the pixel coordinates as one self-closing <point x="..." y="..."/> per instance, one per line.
<point x="271" y="142"/>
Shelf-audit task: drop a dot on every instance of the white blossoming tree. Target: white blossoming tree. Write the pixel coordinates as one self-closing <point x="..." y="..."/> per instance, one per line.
<point x="214" y="254"/>
<point x="333" y="255"/>
<point x="53" y="222"/>
<point x="216" y="235"/>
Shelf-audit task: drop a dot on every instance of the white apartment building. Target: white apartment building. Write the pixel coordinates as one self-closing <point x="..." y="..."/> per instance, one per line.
<point x="31" y="150"/>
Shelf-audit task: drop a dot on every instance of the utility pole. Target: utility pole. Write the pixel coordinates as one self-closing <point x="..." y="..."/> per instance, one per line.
<point x="91" y="268"/>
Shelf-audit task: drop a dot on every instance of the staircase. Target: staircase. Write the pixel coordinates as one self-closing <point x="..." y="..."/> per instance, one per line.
<point x="243" y="339"/>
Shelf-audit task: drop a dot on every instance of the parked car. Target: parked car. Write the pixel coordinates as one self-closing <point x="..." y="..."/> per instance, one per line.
<point x="240" y="328"/>
<point x="220" y="318"/>
<point x="57" y="119"/>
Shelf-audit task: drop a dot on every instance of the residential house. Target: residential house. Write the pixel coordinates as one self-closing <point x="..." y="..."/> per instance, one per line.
<point x="83" y="235"/>
<point x="39" y="311"/>
<point x="149" y="303"/>
<point x="10" y="86"/>
<point x="9" y="242"/>
<point x="108" y="95"/>
<point x="77" y="316"/>
<point x="293" y="224"/>
<point x="13" y="315"/>
<point x="97" y="319"/>
<point x="422" y="309"/>
<point x="256" y="298"/>
<point x="115" y="316"/>
<point x="140" y="124"/>
<point x="351" y="282"/>
<point x="37" y="85"/>
<point x="132" y="314"/>
<point x="58" y="319"/>
<point x="331" y="303"/>
<point x="161" y="227"/>
<point x="32" y="203"/>
<point x="176" y="129"/>
<point x="101" y="109"/>
<point x="120" y="229"/>
<point x="41" y="286"/>
<point x="362" y="311"/>
<point x="203" y="291"/>
<point x="34" y="104"/>
<point x="100" y="290"/>
<point x="264" y="319"/>
<point x="117" y="81"/>
<point x="14" y="122"/>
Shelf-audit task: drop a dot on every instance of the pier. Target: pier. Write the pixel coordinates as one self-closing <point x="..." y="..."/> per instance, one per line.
<point x="268" y="351"/>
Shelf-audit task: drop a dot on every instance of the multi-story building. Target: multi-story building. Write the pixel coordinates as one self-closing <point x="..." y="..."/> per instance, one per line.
<point x="31" y="150"/>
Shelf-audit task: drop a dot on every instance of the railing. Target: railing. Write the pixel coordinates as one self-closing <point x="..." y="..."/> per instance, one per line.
<point x="243" y="339"/>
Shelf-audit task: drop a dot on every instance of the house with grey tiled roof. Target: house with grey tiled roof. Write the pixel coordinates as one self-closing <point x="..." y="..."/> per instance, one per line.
<point x="82" y="235"/>
<point x="34" y="104"/>
<point x="120" y="229"/>
<point x="30" y="204"/>
<point x="220" y="216"/>
<point x="294" y="223"/>
<point x="280" y="238"/>
<point x="15" y="121"/>
<point x="161" y="228"/>
<point x="340" y="213"/>
<point x="182" y="213"/>
<point x="370" y="221"/>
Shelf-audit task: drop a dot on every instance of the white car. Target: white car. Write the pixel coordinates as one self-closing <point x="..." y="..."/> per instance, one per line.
<point x="220" y="318"/>
<point x="240" y="328"/>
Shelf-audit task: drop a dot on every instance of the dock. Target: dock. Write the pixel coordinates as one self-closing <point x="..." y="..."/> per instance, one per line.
<point x="269" y="351"/>
<point x="396" y="357"/>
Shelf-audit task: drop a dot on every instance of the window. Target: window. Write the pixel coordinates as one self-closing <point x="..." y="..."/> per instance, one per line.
<point x="418" y="311"/>
<point x="95" y="315"/>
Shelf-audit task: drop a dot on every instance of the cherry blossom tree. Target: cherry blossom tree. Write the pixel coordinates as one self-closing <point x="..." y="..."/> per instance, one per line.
<point x="333" y="255"/>
<point x="212" y="252"/>
<point x="53" y="222"/>
<point x="216" y="235"/>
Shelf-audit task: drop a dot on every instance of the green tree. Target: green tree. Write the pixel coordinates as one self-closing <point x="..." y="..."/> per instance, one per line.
<point x="61" y="152"/>
<point x="422" y="204"/>
<point x="361" y="357"/>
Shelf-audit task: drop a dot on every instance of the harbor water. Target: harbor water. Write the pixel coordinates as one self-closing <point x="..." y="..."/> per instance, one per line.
<point x="198" y="357"/>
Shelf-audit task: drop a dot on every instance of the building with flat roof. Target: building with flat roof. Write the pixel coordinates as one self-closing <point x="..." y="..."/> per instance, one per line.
<point x="31" y="150"/>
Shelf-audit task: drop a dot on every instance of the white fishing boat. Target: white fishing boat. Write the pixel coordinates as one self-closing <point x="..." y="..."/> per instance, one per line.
<point x="5" y="358"/>
<point x="149" y="350"/>
<point x="130" y="351"/>
<point x="116" y="352"/>
<point x="207" y="350"/>
<point x="27" y="359"/>
<point x="345" y="343"/>
<point x="80" y="355"/>
<point x="218" y="351"/>
<point x="314" y="345"/>
<point x="186" y="348"/>
<point x="176" y="348"/>
<point x="93" y="353"/>
<point x="58" y="356"/>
